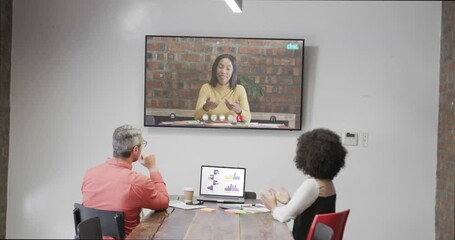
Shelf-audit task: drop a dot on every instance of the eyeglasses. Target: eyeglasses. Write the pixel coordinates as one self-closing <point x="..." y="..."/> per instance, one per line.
<point x="144" y="144"/>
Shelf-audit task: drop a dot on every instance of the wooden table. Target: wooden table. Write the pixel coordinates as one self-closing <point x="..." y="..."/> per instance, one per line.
<point x="197" y="224"/>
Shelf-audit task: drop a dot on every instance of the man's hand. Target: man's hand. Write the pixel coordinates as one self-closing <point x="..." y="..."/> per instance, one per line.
<point x="149" y="161"/>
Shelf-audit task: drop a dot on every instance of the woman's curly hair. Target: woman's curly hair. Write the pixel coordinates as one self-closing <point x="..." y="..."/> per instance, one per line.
<point x="320" y="154"/>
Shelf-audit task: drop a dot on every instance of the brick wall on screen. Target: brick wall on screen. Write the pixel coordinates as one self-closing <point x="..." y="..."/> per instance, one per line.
<point x="179" y="69"/>
<point x="6" y="7"/>
<point x="445" y="190"/>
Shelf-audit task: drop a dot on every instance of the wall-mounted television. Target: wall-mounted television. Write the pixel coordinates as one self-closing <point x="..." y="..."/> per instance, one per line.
<point x="223" y="82"/>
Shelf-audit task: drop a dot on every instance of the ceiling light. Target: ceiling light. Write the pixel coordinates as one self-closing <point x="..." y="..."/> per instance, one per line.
<point x="235" y="5"/>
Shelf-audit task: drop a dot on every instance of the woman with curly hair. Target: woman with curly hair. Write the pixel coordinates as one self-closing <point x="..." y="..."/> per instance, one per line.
<point x="320" y="155"/>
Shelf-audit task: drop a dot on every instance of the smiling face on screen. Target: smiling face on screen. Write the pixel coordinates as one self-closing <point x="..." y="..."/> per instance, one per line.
<point x="224" y="71"/>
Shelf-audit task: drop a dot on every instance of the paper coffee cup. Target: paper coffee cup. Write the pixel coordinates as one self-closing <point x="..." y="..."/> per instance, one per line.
<point x="188" y="194"/>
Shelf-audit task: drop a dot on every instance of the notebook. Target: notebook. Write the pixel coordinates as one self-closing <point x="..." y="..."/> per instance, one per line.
<point x="222" y="184"/>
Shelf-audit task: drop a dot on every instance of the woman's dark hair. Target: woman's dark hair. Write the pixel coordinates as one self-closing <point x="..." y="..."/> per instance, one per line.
<point x="320" y="154"/>
<point x="233" y="80"/>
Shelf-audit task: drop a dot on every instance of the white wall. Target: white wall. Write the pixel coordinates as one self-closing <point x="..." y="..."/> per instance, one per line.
<point x="77" y="73"/>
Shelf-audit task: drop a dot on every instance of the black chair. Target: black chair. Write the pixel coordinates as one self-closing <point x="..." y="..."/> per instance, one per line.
<point x="112" y="222"/>
<point x="90" y="229"/>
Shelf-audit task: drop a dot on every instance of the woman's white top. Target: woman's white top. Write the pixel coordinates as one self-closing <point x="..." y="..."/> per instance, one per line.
<point x="302" y="199"/>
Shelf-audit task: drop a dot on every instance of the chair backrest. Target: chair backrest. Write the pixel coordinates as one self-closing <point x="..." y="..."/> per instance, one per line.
<point x="112" y="222"/>
<point x="90" y="229"/>
<point x="336" y="221"/>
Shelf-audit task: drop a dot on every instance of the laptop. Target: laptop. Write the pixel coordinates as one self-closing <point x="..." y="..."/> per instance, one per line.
<point x="222" y="184"/>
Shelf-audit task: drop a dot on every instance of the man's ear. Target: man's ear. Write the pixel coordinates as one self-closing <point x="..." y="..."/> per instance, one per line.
<point x="135" y="149"/>
<point x="135" y="153"/>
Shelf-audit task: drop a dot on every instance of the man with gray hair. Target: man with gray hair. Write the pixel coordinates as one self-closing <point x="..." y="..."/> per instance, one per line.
<point x="114" y="186"/>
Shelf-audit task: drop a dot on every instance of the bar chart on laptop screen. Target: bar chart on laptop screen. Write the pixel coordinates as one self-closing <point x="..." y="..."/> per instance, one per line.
<point x="222" y="181"/>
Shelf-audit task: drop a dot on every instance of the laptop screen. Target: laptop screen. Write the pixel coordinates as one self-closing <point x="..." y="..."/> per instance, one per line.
<point x="222" y="181"/>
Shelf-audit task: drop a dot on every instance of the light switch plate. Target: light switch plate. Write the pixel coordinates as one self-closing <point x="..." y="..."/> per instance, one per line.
<point x="350" y="138"/>
<point x="365" y="139"/>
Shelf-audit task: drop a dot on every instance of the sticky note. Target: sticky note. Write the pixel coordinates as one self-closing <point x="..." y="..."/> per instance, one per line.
<point x="229" y="210"/>
<point x="208" y="209"/>
<point x="239" y="211"/>
<point x="236" y="211"/>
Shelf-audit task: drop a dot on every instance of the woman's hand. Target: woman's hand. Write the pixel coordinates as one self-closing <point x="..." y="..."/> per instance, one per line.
<point x="233" y="106"/>
<point x="269" y="201"/>
<point x="281" y="196"/>
<point x="209" y="105"/>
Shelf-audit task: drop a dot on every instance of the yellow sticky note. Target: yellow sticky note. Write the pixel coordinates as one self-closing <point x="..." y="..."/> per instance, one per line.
<point x="239" y="211"/>
<point x="235" y="211"/>
<point x="208" y="209"/>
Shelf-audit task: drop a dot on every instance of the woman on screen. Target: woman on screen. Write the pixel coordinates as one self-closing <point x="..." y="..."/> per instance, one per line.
<point x="222" y="96"/>
<point x="320" y="155"/>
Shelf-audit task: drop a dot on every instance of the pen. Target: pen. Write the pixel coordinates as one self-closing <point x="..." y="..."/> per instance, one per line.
<point x="247" y="205"/>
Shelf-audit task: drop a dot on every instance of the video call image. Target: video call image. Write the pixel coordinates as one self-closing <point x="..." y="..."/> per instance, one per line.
<point x="222" y="181"/>
<point x="183" y="79"/>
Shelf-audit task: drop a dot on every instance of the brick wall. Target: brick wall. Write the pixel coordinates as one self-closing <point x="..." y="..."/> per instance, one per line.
<point x="6" y="7"/>
<point x="445" y="188"/>
<point x="177" y="69"/>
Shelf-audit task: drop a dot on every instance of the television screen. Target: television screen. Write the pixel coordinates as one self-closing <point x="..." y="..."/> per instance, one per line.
<point x="223" y="82"/>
